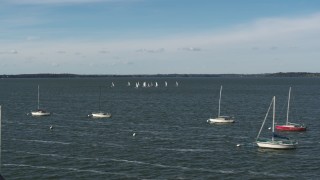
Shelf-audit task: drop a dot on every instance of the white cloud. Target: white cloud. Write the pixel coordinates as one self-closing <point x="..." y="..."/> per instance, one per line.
<point x="160" y="50"/>
<point x="191" y="49"/>
<point x="12" y="51"/>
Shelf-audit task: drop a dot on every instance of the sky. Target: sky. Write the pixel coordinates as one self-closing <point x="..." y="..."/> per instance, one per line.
<point x="159" y="36"/>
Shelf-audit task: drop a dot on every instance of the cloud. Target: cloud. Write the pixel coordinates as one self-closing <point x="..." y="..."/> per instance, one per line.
<point x="253" y="44"/>
<point x="103" y="52"/>
<point x="61" y="52"/>
<point x="273" y="48"/>
<point x="31" y="38"/>
<point x="191" y="49"/>
<point x="150" y="50"/>
<point x="13" y="51"/>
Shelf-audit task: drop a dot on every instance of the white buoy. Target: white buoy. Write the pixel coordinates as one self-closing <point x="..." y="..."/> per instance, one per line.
<point x="238" y="145"/>
<point x="269" y="128"/>
<point x="134" y="134"/>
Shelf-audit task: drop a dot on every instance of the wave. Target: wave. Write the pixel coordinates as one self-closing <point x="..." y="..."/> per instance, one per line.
<point x="115" y="160"/>
<point x="273" y="175"/>
<point x="42" y="141"/>
<point x="65" y="169"/>
<point x="187" y="150"/>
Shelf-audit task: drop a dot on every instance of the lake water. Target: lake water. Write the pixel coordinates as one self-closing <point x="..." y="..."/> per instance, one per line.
<point x="173" y="139"/>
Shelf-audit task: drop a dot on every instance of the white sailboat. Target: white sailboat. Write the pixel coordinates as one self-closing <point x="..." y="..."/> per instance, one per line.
<point x="129" y="83"/>
<point x="165" y="84"/>
<point x="276" y="141"/>
<point x="177" y="84"/>
<point x="112" y="84"/>
<point x="156" y="85"/>
<point x="221" y="119"/>
<point x="100" y="114"/>
<point x="40" y="112"/>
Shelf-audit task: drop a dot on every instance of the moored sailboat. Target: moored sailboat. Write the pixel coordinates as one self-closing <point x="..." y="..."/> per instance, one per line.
<point x="40" y="112"/>
<point x="99" y="114"/>
<point x="221" y="119"/>
<point x="276" y="141"/>
<point x="289" y="126"/>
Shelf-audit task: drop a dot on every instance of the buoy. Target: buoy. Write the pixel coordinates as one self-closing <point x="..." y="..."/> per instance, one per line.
<point x="238" y="145"/>
<point x="269" y="128"/>
<point x="134" y="134"/>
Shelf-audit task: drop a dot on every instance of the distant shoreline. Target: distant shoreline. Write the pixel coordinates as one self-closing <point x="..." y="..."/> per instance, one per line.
<point x="66" y="75"/>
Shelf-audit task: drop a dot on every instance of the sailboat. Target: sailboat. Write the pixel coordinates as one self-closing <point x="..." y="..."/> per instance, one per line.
<point x="129" y="83"/>
<point x="290" y="126"/>
<point x="177" y="84"/>
<point x="221" y="119"/>
<point x="40" y="112"/>
<point x="100" y="114"/>
<point x="165" y="84"/>
<point x="276" y="141"/>
<point x="112" y="84"/>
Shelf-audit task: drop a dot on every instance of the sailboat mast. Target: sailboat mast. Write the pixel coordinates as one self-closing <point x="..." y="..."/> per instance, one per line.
<point x="219" y="101"/>
<point x="288" y="106"/>
<point x="99" y="97"/>
<point x="273" y="115"/>
<point x="38" y="97"/>
<point x="265" y="118"/>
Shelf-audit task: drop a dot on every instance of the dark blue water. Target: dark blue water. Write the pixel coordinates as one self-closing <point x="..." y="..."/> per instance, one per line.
<point x="173" y="139"/>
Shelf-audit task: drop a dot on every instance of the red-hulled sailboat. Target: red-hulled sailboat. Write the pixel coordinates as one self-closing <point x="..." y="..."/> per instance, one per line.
<point x="290" y="126"/>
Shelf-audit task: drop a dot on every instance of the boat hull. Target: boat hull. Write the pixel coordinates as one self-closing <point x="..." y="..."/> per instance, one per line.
<point x="40" y="113"/>
<point x="290" y="128"/>
<point x="276" y="145"/>
<point x="220" y="120"/>
<point x="100" y="115"/>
